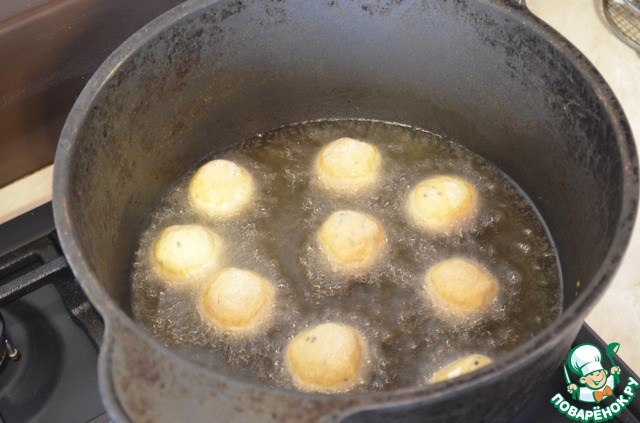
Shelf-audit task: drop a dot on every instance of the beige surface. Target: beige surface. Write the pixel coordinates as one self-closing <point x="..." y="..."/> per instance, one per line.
<point x="25" y="194"/>
<point x="617" y="316"/>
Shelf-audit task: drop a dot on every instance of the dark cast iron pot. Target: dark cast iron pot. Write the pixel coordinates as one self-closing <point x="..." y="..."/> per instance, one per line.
<point x="209" y="74"/>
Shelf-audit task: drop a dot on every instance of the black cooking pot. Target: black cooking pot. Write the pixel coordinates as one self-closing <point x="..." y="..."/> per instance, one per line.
<point x="209" y="74"/>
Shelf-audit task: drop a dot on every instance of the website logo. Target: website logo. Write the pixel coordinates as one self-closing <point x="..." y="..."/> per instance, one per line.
<point x="593" y="384"/>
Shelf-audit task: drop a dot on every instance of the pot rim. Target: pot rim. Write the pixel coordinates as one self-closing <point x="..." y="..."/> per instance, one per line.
<point x="510" y="361"/>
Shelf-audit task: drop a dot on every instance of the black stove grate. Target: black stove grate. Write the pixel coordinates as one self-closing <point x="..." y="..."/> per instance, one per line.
<point x="54" y="328"/>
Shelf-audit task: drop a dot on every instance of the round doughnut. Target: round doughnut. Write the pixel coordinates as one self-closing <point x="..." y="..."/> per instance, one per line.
<point x="352" y="241"/>
<point x="220" y="189"/>
<point x="460" y="367"/>
<point x="348" y="166"/>
<point x="183" y="252"/>
<point x="326" y="358"/>
<point x="460" y="286"/>
<point x="236" y="299"/>
<point x="440" y="204"/>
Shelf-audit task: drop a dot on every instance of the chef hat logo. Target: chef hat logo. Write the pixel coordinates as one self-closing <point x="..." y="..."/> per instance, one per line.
<point x="584" y="359"/>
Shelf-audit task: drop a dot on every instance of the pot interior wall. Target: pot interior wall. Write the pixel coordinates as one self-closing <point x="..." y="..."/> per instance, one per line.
<point x="474" y="71"/>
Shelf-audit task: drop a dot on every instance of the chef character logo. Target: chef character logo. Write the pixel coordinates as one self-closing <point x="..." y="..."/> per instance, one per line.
<point x="594" y="387"/>
<point x="596" y="382"/>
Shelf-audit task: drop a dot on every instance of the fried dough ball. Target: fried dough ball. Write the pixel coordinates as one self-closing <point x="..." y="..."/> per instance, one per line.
<point x="184" y="252"/>
<point x="220" y="189"/>
<point x="236" y="299"/>
<point x="460" y="286"/>
<point x="352" y="241"/>
<point x="440" y="204"/>
<point x="348" y="166"/>
<point x="460" y="367"/>
<point x="326" y="358"/>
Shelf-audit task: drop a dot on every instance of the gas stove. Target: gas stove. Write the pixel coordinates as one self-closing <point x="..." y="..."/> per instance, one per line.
<point x="50" y="337"/>
<point x="49" y="333"/>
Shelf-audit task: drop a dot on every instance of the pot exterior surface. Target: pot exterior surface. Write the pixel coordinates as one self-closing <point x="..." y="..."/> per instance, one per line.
<point x="144" y="383"/>
<point x="210" y="74"/>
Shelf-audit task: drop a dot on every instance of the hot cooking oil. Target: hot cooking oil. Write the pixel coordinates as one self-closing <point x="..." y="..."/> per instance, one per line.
<point x="408" y="338"/>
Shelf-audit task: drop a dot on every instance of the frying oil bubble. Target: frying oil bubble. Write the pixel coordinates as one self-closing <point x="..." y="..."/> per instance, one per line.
<point x="408" y="339"/>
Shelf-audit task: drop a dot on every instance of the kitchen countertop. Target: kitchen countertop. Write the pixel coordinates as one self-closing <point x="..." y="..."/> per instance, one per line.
<point x="616" y="318"/>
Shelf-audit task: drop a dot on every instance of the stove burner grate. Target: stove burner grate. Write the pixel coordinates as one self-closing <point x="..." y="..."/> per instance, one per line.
<point x="52" y="324"/>
<point x="7" y="350"/>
